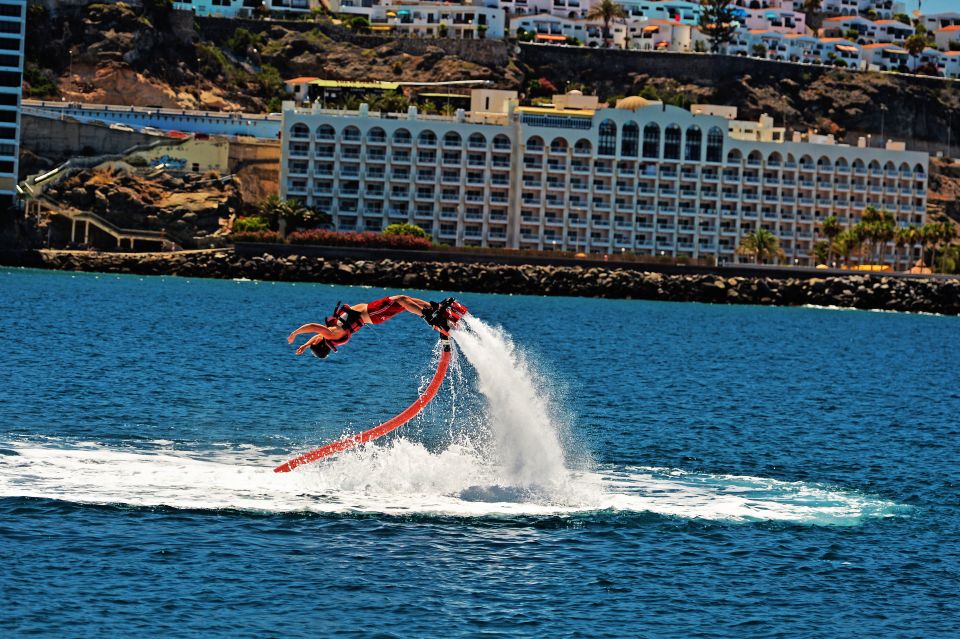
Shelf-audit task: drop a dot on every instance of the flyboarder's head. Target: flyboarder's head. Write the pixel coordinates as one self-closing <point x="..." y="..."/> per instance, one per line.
<point x="321" y="349"/>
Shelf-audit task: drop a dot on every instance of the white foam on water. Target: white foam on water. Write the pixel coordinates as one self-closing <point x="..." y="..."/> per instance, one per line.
<point x="404" y="478"/>
<point x="505" y="459"/>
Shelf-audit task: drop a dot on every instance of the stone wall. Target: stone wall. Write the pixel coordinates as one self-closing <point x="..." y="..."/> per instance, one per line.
<point x="931" y="295"/>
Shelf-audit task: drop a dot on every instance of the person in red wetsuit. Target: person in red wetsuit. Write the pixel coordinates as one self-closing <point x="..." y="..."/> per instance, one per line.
<point x="347" y="320"/>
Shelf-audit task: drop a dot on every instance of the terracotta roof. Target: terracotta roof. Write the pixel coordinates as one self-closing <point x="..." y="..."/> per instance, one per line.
<point x="302" y="80"/>
<point x="955" y="27"/>
<point x="841" y="18"/>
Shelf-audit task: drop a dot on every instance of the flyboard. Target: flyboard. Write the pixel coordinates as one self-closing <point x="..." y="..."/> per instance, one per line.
<point x="391" y="424"/>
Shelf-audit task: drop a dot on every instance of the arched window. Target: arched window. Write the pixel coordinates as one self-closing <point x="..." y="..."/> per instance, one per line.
<point x="299" y="131"/>
<point x="325" y="132"/>
<point x="715" y="145"/>
<point x="427" y="138"/>
<point x="774" y="159"/>
<point x="607" y="143"/>
<point x="351" y="134"/>
<point x="734" y="157"/>
<point x="824" y="163"/>
<point x="453" y="140"/>
<point x="671" y="142"/>
<point x="559" y="145"/>
<point x="535" y="143"/>
<point x="694" y="143"/>
<point x="630" y="140"/>
<point x="477" y="141"/>
<point x="501" y="143"/>
<point x="376" y="134"/>
<point x="755" y="158"/>
<point x="582" y="146"/>
<point x="402" y="136"/>
<point x="651" y="141"/>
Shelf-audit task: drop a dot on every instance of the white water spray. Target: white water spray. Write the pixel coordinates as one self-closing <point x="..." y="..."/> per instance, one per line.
<point x="526" y="442"/>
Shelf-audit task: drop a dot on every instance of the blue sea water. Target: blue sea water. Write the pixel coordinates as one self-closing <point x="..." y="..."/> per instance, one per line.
<point x="594" y="468"/>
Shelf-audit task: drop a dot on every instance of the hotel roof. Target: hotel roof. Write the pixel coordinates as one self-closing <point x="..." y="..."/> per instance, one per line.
<point x="577" y="113"/>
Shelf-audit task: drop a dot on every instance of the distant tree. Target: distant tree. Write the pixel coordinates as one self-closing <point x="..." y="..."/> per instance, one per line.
<point x="360" y="24"/>
<point x="607" y="11"/>
<point x="844" y="244"/>
<point x="442" y="30"/>
<point x="718" y="22"/>
<point x="915" y="45"/>
<point x="904" y="18"/>
<point x="901" y="239"/>
<point x="760" y="244"/>
<point x="759" y="50"/>
<point x="821" y="250"/>
<point x="830" y="227"/>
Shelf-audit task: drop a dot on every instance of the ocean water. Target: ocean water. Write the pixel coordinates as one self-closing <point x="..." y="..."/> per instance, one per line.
<point x="591" y="468"/>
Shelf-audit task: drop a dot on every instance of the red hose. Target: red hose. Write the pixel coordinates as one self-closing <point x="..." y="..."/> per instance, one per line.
<point x="376" y="431"/>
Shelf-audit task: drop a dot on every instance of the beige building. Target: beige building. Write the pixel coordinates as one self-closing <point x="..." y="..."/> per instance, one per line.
<point x="643" y="177"/>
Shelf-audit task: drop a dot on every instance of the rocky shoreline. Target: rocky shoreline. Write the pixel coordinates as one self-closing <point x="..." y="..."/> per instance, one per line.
<point x="867" y="291"/>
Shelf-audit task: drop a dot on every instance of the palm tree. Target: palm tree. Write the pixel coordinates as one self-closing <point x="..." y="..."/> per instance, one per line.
<point x="761" y="244"/>
<point x="902" y="237"/>
<point x="916" y="238"/>
<point x="830" y="227"/>
<point x="844" y="244"/>
<point x="930" y="235"/>
<point x="944" y="233"/>
<point x="607" y="11"/>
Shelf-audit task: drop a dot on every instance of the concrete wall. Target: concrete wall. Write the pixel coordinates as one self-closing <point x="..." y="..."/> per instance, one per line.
<point x="59" y="140"/>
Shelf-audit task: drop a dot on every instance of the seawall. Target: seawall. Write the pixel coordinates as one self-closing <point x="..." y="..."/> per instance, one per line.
<point x="866" y="291"/>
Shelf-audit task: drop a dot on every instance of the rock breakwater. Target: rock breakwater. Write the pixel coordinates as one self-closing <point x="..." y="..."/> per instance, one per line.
<point x="873" y="291"/>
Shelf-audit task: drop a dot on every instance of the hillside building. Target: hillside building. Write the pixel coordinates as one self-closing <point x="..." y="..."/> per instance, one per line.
<point x="642" y="177"/>
<point x="12" y="26"/>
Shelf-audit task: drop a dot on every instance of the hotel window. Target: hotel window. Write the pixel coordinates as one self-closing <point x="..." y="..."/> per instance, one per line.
<point x="694" y="140"/>
<point x="671" y="143"/>
<point x="651" y="141"/>
<point x="715" y="145"/>
<point x="607" y="144"/>
<point x="629" y="145"/>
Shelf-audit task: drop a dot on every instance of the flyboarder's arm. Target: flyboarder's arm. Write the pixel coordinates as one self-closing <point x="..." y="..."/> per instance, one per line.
<point x="316" y="339"/>
<point x="324" y="331"/>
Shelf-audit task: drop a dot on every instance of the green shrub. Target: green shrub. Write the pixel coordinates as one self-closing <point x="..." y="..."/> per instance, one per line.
<point x="359" y="24"/>
<point x="242" y="39"/>
<point x="406" y="229"/>
<point x="251" y="224"/>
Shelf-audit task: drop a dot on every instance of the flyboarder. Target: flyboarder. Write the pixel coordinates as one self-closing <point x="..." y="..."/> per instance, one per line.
<point x="347" y="320"/>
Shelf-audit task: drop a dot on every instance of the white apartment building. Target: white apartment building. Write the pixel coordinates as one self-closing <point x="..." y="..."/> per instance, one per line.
<point x="470" y="20"/>
<point x="937" y="21"/>
<point x="947" y="35"/>
<point x="881" y="8"/>
<point x="642" y="177"/>
<point x="868" y="31"/>
<point x="234" y="8"/>
<point x="12" y="25"/>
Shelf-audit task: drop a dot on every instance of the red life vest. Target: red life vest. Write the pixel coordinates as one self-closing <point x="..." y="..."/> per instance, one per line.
<point x="346" y="318"/>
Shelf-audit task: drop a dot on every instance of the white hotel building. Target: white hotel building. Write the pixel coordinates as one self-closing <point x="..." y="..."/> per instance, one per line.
<point x="12" y="26"/>
<point x="646" y="178"/>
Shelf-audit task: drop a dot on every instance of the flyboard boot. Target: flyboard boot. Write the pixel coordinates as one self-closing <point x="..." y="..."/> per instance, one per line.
<point x="444" y="316"/>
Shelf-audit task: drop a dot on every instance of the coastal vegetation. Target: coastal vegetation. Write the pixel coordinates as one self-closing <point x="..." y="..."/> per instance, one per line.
<point x="870" y="239"/>
<point x="761" y="245"/>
